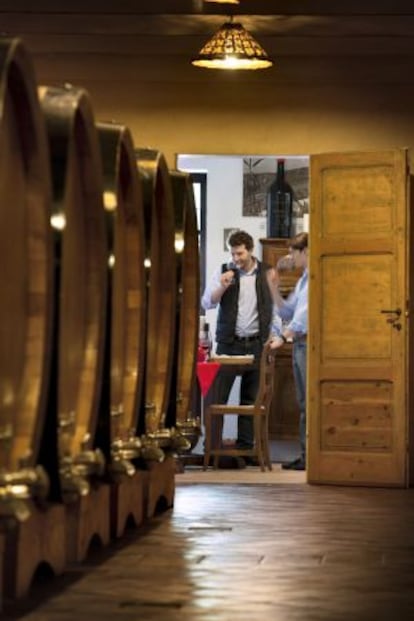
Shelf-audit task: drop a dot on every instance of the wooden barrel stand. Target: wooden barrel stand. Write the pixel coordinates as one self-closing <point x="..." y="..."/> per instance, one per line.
<point x="127" y="502"/>
<point x="88" y="518"/>
<point x="161" y="486"/>
<point x="38" y="540"/>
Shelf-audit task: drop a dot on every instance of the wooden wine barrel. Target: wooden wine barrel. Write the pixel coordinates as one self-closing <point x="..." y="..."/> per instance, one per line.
<point x="26" y="261"/>
<point x="188" y="291"/>
<point x="80" y="263"/>
<point x="123" y="202"/>
<point x="161" y="304"/>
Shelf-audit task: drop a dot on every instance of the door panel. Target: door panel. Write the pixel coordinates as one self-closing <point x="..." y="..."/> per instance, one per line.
<point x="344" y="278"/>
<point x="358" y="329"/>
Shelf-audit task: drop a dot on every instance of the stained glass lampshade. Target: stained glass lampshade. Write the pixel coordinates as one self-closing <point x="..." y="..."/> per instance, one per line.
<point x="232" y="47"/>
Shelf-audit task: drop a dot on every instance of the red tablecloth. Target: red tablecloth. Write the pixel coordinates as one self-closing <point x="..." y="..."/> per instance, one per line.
<point x="206" y="373"/>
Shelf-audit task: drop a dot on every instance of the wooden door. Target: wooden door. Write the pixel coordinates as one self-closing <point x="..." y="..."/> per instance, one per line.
<point x="358" y="328"/>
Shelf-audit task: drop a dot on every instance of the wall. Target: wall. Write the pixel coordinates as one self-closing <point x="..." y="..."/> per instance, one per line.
<point x="265" y="120"/>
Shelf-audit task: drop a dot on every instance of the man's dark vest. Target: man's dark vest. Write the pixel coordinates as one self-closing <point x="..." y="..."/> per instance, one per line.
<point x="227" y="313"/>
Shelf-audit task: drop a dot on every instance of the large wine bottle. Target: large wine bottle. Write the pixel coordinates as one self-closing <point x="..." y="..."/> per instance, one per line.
<point x="279" y="205"/>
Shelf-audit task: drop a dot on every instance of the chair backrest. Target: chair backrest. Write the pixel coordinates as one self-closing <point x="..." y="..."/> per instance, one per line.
<point x="267" y="370"/>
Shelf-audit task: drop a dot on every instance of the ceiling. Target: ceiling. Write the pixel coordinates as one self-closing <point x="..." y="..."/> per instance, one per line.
<point x="311" y="41"/>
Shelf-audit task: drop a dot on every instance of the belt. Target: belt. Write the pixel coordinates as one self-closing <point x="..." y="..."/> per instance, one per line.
<point x="247" y="339"/>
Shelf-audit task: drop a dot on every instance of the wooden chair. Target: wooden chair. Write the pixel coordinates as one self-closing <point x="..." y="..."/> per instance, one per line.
<point x="260" y="412"/>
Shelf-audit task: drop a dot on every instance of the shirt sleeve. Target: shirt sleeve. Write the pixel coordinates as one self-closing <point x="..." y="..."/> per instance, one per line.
<point x="276" y="325"/>
<point x="295" y="308"/>
<point x="287" y="309"/>
<point x="214" y="284"/>
<point x="299" y="322"/>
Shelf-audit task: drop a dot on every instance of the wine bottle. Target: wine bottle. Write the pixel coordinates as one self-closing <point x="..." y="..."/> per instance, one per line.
<point x="205" y="342"/>
<point x="279" y="205"/>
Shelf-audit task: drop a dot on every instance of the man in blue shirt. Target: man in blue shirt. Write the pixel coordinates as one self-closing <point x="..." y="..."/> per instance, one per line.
<point x="294" y="313"/>
<point x="241" y="291"/>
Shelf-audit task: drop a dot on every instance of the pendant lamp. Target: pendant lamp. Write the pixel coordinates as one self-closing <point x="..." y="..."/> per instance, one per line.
<point x="232" y="47"/>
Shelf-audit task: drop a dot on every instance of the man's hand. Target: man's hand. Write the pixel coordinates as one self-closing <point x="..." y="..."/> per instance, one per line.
<point x="285" y="263"/>
<point x="276" y="342"/>
<point x="227" y="278"/>
<point x="273" y="278"/>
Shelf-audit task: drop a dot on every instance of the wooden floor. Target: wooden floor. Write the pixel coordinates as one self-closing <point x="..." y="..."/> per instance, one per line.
<point x="256" y="552"/>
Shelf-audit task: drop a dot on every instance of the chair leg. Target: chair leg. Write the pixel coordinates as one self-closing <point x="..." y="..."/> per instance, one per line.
<point x="218" y="436"/>
<point x="207" y="440"/>
<point x="258" y="442"/>
<point x="265" y="440"/>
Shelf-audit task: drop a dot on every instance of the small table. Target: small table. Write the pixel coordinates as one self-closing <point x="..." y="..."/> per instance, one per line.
<point x="207" y="371"/>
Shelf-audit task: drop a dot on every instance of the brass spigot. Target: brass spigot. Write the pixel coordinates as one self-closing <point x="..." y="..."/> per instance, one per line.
<point x="89" y="463"/>
<point x="26" y="482"/>
<point x="75" y="472"/>
<point x="19" y="487"/>
<point x="179" y="442"/>
<point x="151" y="450"/>
<point x="74" y="485"/>
<point x="120" y="468"/>
<point x="162" y="437"/>
<point x="189" y="429"/>
<point x="128" y="448"/>
<point x="122" y="451"/>
<point x="14" y="506"/>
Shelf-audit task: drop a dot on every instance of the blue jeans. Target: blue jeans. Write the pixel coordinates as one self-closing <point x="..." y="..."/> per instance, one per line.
<point x="299" y="373"/>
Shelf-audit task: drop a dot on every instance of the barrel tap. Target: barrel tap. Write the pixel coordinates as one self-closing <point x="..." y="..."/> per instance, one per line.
<point x="171" y="439"/>
<point x="89" y="462"/>
<point x="151" y="450"/>
<point x="154" y="441"/>
<point x="16" y="488"/>
<point x="74" y="483"/>
<point x="190" y="430"/>
<point x="123" y="450"/>
<point x="20" y="486"/>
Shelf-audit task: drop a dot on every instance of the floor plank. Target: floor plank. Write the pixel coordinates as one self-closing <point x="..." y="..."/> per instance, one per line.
<point x="235" y="552"/>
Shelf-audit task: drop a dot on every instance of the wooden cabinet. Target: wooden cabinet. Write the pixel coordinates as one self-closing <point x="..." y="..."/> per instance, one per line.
<point x="273" y="250"/>
<point x="284" y="416"/>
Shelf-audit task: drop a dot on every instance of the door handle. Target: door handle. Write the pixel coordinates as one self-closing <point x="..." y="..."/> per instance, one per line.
<point x="392" y="320"/>
<point x="396" y="311"/>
